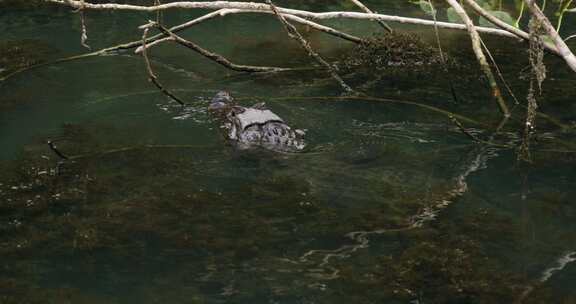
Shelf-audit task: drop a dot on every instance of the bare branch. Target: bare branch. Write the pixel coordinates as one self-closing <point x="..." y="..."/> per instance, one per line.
<point x="151" y="76"/>
<point x="294" y="34"/>
<point x="441" y="52"/>
<point x="153" y="44"/>
<point x="84" y="35"/>
<point x="260" y="7"/>
<point x="216" y="57"/>
<point x="56" y="151"/>
<point x="476" y="46"/>
<point x="563" y="49"/>
<point x="367" y="10"/>
<point x="324" y="28"/>
<point x="505" y="26"/>
<point x="500" y="75"/>
<point x="225" y="12"/>
<point x="463" y="130"/>
<point x="569" y="37"/>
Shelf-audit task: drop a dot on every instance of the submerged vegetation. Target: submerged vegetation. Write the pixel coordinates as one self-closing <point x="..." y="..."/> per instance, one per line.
<point x="16" y="55"/>
<point x="136" y="216"/>
<point x="393" y="50"/>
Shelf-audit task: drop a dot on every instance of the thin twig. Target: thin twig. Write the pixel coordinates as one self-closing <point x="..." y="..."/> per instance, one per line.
<point x="84" y="35"/>
<point x="159" y="14"/>
<point x="313" y="25"/>
<point x="324" y="28"/>
<point x="475" y="39"/>
<point x="508" y="88"/>
<point x="367" y="10"/>
<point x="294" y="34"/>
<point x="463" y="130"/>
<point x="444" y="62"/>
<point x="216" y="57"/>
<point x="251" y="7"/>
<point x="119" y="47"/>
<point x="475" y="138"/>
<point x="151" y="76"/>
<point x="569" y="37"/>
<point x="54" y="149"/>
<point x="505" y="26"/>
<point x="500" y="126"/>
<point x="133" y="148"/>
<point x="563" y="49"/>
<point x="159" y="38"/>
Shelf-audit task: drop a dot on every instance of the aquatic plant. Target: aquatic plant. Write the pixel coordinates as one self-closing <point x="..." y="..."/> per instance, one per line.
<point x="392" y="50"/>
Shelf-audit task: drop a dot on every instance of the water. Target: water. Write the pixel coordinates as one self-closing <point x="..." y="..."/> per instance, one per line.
<point x="390" y="203"/>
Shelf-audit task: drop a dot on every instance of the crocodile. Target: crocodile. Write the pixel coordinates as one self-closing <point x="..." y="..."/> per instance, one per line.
<point x="255" y="126"/>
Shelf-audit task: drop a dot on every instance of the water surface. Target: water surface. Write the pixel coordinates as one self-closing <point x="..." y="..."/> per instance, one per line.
<point x="390" y="203"/>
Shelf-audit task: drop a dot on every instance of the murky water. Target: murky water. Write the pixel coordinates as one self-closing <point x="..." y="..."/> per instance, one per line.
<point x="390" y="203"/>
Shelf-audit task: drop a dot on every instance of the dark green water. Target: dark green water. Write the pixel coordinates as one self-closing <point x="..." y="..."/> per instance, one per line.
<point x="390" y="203"/>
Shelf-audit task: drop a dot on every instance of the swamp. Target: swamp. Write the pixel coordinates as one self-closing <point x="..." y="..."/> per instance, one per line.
<point x="426" y="176"/>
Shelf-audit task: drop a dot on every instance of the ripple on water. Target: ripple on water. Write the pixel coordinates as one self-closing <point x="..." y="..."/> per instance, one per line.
<point x="196" y="112"/>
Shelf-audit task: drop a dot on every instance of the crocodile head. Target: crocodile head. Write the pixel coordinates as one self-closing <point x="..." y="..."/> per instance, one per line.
<point x="221" y="102"/>
<point x="256" y="126"/>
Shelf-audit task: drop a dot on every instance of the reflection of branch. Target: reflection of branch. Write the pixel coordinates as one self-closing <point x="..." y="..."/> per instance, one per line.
<point x="294" y="34"/>
<point x="117" y="150"/>
<point x="151" y="76"/>
<point x="477" y="139"/>
<point x="463" y="130"/>
<point x="132" y="148"/>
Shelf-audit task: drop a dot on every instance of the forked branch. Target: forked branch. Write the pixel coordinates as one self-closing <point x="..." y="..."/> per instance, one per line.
<point x="294" y="34"/>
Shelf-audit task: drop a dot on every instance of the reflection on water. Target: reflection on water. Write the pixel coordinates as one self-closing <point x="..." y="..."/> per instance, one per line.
<point x="391" y="202"/>
<point x="560" y="264"/>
